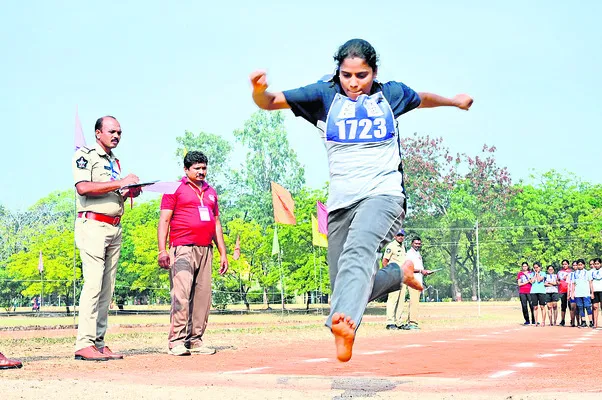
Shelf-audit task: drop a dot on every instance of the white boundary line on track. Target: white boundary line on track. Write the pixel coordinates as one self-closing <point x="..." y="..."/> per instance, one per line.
<point x="524" y="365"/>
<point x="547" y="355"/>
<point x="407" y="346"/>
<point x="370" y="353"/>
<point x="315" y="360"/>
<point x="246" y="371"/>
<point x="501" y="374"/>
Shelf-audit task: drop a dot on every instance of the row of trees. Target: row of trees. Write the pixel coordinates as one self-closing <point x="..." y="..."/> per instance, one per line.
<point x="554" y="216"/>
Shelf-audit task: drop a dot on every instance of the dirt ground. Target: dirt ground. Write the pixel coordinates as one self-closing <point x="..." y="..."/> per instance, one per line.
<point x="456" y="355"/>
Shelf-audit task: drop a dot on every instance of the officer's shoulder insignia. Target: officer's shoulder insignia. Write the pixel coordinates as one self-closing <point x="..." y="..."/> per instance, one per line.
<point x="81" y="163"/>
<point x="85" y="149"/>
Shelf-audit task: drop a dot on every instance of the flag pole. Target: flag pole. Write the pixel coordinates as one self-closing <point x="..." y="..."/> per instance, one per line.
<point x="42" y="293"/>
<point x="315" y="274"/>
<point x="281" y="281"/>
<point x="79" y="141"/>
<point x="74" y="251"/>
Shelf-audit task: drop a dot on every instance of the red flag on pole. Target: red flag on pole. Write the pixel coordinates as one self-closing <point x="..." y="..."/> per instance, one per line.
<point x="79" y="139"/>
<point x="236" y="254"/>
<point x="284" y="206"/>
<point x="41" y="263"/>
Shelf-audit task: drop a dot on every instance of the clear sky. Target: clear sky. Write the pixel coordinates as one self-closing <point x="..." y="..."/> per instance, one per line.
<point x="533" y="68"/>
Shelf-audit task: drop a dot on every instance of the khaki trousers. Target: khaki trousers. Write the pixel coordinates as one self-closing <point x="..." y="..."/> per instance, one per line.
<point x="190" y="282"/>
<point x="413" y="309"/>
<point x="396" y="302"/>
<point x="395" y="305"/>
<point x="99" y="248"/>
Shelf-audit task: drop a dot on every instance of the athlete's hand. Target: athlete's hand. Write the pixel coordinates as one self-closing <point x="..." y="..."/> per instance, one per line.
<point x="463" y="101"/>
<point x="259" y="81"/>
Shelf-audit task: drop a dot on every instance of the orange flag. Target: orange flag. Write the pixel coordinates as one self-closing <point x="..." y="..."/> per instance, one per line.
<point x="236" y="254"/>
<point x="284" y="206"/>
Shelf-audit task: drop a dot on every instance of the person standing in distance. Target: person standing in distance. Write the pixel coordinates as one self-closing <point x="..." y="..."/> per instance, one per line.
<point x="563" y="288"/>
<point x="551" y="286"/>
<point x="191" y="218"/>
<point x="395" y="252"/>
<point x="419" y="272"/>
<point x="596" y="290"/>
<point x="538" y="293"/>
<point x="523" y="279"/>
<point x="356" y="115"/>
<point x="98" y="182"/>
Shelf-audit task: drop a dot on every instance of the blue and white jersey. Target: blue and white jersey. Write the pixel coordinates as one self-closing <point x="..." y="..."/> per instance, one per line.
<point x="597" y="279"/>
<point x="551" y="278"/>
<point x="581" y="278"/>
<point x="360" y="136"/>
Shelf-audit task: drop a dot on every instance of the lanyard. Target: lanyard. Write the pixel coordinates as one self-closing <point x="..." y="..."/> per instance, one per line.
<point x="114" y="172"/>
<point x="196" y="191"/>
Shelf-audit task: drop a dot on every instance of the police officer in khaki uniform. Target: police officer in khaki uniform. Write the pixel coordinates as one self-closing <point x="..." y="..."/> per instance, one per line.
<point x="395" y="252"/>
<point x="100" y="199"/>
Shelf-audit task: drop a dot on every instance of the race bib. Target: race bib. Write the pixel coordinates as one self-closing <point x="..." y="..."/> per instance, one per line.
<point x="368" y="119"/>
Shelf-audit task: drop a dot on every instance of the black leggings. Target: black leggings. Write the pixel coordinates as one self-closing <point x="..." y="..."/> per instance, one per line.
<point x="526" y="305"/>
<point x="563" y="301"/>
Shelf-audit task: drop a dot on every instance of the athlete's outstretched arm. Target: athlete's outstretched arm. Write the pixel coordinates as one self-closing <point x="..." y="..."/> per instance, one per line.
<point x="264" y="99"/>
<point x="430" y="100"/>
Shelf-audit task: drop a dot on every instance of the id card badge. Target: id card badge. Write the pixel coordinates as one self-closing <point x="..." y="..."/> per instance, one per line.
<point x="204" y="213"/>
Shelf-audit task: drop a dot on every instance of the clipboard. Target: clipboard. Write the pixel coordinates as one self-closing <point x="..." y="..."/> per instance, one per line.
<point x="137" y="185"/>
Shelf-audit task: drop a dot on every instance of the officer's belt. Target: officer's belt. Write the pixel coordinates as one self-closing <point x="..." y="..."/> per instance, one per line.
<point x="99" y="217"/>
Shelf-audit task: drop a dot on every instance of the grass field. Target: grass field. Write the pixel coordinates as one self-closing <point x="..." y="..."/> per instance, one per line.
<point x="448" y="315"/>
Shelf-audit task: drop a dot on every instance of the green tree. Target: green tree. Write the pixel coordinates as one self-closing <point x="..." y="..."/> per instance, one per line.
<point x="138" y="269"/>
<point x="555" y="217"/>
<point x="217" y="150"/>
<point x="269" y="158"/>
<point x="451" y="194"/>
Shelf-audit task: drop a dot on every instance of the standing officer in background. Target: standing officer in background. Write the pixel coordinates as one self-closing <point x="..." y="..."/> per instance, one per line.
<point x="100" y="199"/>
<point x="395" y="252"/>
<point x="419" y="271"/>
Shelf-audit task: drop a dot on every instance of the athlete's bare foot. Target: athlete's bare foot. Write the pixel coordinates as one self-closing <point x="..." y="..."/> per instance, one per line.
<point x="408" y="276"/>
<point x="343" y="329"/>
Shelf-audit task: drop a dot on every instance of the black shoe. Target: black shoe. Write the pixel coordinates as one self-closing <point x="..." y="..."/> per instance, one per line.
<point x="533" y="322"/>
<point x="591" y="324"/>
<point x="572" y="324"/>
<point x="402" y="326"/>
<point x="561" y="323"/>
<point x="527" y="323"/>
<point x="391" y="327"/>
<point x="411" y="327"/>
<point x="583" y="324"/>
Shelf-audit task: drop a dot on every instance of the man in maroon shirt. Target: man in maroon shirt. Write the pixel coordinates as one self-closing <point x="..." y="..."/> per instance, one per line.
<point x="191" y="217"/>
